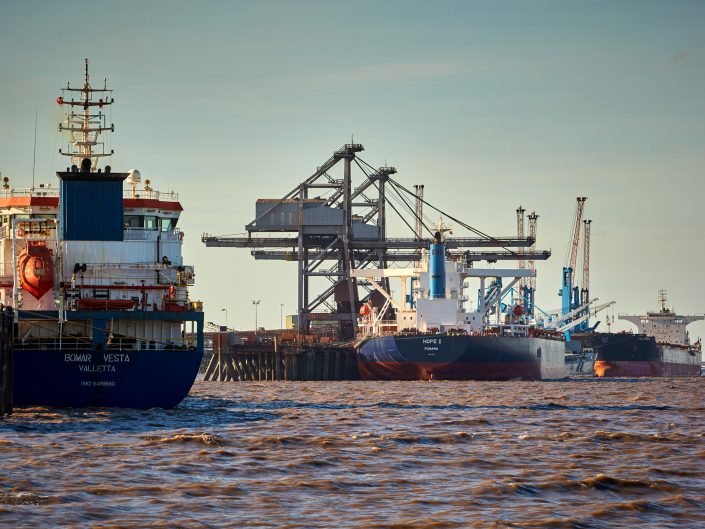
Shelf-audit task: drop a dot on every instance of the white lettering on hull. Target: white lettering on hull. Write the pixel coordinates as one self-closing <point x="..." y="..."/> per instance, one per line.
<point x="108" y="366"/>
<point x="99" y="368"/>
<point x="73" y="357"/>
<point x="98" y="383"/>
<point x="116" y="357"/>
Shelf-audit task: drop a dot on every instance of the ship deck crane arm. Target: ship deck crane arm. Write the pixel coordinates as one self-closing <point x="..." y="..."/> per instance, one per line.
<point x="578" y="321"/>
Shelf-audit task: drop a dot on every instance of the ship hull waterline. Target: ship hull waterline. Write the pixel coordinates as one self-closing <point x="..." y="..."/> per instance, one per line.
<point x="461" y="357"/>
<point x="644" y="368"/>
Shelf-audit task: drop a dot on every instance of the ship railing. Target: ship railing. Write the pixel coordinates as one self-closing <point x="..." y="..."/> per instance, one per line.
<point x="132" y="344"/>
<point x="145" y="234"/>
<point x="515" y="329"/>
<point x="55" y="343"/>
<point x="44" y="233"/>
<point x="69" y="343"/>
<point x="151" y="195"/>
<point x="47" y="191"/>
<point x="41" y="191"/>
<point x="383" y="327"/>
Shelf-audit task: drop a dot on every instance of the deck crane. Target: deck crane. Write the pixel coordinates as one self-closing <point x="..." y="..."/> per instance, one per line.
<point x="570" y="296"/>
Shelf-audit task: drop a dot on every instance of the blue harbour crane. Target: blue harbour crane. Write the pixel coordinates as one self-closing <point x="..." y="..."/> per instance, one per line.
<point x="575" y="300"/>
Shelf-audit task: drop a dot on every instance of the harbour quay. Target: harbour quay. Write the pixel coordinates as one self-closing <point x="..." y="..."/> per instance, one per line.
<point x="277" y="356"/>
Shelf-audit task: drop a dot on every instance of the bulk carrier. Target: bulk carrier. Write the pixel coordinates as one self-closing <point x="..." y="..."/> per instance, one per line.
<point x="434" y="337"/>
<point x="661" y="348"/>
<point x="97" y="280"/>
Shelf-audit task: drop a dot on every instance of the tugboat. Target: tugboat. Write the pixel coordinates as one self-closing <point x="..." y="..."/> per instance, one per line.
<point x="96" y="279"/>
<point x="579" y="361"/>
<point x="661" y="348"/>
<point x="436" y="338"/>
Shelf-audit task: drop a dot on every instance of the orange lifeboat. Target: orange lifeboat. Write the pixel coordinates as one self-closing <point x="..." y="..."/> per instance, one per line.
<point x="35" y="269"/>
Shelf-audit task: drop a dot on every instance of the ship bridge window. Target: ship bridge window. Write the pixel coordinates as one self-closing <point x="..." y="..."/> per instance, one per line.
<point x="150" y="223"/>
<point x="167" y="223"/>
<point x="132" y="221"/>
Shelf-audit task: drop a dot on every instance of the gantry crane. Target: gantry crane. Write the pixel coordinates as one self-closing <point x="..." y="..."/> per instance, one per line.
<point x="347" y="227"/>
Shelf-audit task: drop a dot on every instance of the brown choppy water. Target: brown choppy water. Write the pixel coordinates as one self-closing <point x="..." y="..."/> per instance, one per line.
<point x="573" y="454"/>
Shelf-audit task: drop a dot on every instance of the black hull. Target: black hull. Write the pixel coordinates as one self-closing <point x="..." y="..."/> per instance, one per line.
<point x="637" y="355"/>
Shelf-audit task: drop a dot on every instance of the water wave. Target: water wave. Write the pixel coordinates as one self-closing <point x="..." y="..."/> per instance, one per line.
<point x="573" y="454"/>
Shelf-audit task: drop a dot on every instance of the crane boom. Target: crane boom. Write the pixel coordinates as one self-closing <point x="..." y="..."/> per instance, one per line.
<point x="520" y="229"/>
<point x="533" y="217"/>
<point x="586" y="255"/>
<point x="568" y="326"/>
<point x="419" y="212"/>
<point x="520" y="235"/>
<point x="573" y="255"/>
<point x="566" y="317"/>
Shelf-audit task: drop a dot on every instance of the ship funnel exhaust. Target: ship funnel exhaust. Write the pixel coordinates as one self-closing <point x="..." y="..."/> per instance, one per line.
<point x="437" y="268"/>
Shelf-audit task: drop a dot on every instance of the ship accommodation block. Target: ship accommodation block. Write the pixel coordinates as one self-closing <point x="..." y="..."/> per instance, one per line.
<point x="131" y="247"/>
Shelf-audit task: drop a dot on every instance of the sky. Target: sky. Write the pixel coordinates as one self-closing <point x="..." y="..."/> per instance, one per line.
<point x="489" y="104"/>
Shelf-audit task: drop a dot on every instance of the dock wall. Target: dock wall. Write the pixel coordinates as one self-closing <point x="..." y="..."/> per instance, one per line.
<point x="260" y="362"/>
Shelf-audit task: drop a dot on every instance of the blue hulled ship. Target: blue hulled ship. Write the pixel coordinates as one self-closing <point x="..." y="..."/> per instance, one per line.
<point x="94" y="271"/>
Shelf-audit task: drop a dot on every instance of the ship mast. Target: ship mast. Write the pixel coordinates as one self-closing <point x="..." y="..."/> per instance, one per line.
<point x="662" y="301"/>
<point x="84" y="123"/>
